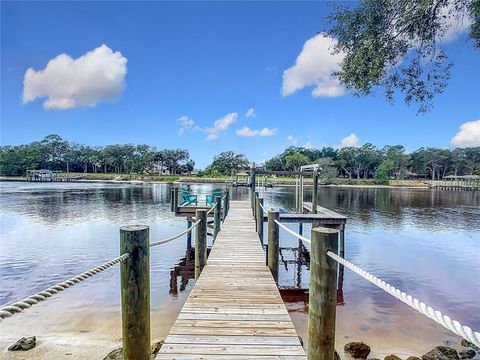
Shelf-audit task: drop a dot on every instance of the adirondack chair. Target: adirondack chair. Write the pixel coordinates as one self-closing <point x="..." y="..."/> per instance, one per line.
<point x="188" y="199"/>
<point x="210" y="199"/>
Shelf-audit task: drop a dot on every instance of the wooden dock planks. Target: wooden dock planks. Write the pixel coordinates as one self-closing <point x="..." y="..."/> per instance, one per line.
<point x="234" y="310"/>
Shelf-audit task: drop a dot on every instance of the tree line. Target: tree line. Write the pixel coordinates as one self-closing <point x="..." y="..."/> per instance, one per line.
<point x="390" y="162"/>
<point x="365" y="162"/>
<point x="55" y="153"/>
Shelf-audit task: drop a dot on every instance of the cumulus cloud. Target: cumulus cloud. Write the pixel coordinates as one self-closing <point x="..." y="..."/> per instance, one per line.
<point x="247" y="132"/>
<point x="250" y="113"/>
<point x="186" y="124"/>
<point x="220" y="125"/>
<point x="95" y="77"/>
<point x="308" y="145"/>
<point x="468" y="135"/>
<point x="350" y="141"/>
<point x="292" y="139"/>
<point x="314" y="66"/>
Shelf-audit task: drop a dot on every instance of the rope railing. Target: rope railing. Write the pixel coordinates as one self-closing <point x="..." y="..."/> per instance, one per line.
<point x="160" y="242"/>
<point x="453" y="325"/>
<point x="19" y="306"/>
<point x="211" y="209"/>
<point x="263" y="208"/>
<point x="298" y="236"/>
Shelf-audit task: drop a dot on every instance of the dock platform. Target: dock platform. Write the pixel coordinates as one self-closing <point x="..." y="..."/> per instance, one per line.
<point x="235" y="310"/>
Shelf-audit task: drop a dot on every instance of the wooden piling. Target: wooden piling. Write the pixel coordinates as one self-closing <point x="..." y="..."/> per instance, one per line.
<point x="314" y="192"/>
<point x="255" y="210"/>
<point x="259" y="222"/>
<point x="172" y="205"/>
<point x="225" y="204"/>
<point x="135" y="292"/>
<point x="200" y="242"/>
<point x="273" y="243"/>
<point x="217" y="216"/>
<point x="322" y="294"/>
<point x="252" y="184"/>
<point x="189" y="240"/>
<point x="175" y="199"/>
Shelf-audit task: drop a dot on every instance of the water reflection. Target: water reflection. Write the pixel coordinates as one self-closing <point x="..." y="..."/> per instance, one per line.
<point x="423" y="241"/>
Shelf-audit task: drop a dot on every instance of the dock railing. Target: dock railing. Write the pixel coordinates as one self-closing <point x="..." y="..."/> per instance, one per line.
<point x="324" y="256"/>
<point x="134" y="263"/>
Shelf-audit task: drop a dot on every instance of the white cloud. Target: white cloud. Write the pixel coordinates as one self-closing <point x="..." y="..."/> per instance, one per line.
<point x="314" y="66"/>
<point x="350" y="141"/>
<point x="468" y="135"/>
<point x="308" y="145"/>
<point x="456" y="24"/>
<point x="247" y="132"/>
<point x="250" y="113"/>
<point x="95" y="77"/>
<point x="220" y="126"/>
<point x="292" y="139"/>
<point x="186" y="124"/>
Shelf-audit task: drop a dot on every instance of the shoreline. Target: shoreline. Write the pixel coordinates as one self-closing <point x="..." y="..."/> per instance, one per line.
<point x="191" y="181"/>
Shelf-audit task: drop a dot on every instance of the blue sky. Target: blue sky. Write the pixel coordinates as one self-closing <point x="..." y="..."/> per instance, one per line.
<point x="202" y="62"/>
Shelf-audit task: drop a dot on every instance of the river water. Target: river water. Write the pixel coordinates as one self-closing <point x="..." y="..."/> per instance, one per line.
<point x="425" y="242"/>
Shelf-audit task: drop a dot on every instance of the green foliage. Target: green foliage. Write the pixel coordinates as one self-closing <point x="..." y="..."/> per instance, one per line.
<point x="295" y="161"/>
<point x="329" y="170"/>
<point x="227" y="163"/>
<point x="396" y="44"/>
<point x="54" y="153"/>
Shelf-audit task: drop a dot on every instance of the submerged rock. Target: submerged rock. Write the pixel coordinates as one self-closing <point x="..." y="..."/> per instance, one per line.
<point x="392" y="357"/>
<point x="336" y="356"/>
<point x="467" y="354"/>
<point x="413" y="358"/>
<point x="357" y="350"/>
<point x="441" y="353"/>
<point x="24" y="344"/>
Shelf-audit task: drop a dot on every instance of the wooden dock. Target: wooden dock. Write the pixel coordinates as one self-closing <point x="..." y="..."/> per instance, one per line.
<point x="235" y="310"/>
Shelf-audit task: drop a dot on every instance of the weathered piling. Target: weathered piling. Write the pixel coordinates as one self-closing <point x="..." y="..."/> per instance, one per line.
<point x="217" y="216"/>
<point x="135" y="292"/>
<point x="189" y="241"/>
<point x="172" y="196"/>
<point x="175" y="199"/>
<point x="314" y="192"/>
<point x="252" y="184"/>
<point x="255" y="210"/>
<point x="322" y="295"/>
<point x="225" y="204"/>
<point x="200" y="242"/>
<point x="259" y="219"/>
<point x="273" y="243"/>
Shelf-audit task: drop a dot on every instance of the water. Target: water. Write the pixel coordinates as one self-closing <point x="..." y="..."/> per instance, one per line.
<point x="422" y="241"/>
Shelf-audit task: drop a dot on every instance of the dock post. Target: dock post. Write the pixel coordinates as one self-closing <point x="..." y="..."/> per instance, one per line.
<point x="200" y="242"/>
<point x="260" y="219"/>
<point x="228" y="201"/>
<point x="252" y="184"/>
<point x="189" y="240"/>
<point x="314" y="192"/>
<point x="322" y="295"/>
<point x="273" y="243"/>
<point x="135" y="292"/>
<point x="172" y="196"/>
<point x="255" y="210"/>
<point x="175" y="199"/>
<point x="217" y="216"/>
<point x="225" y="205"/>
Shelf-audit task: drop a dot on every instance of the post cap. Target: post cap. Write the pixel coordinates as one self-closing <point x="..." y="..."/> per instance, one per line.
<point x="134" y="228"/>
<point x="325" y="230"/>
